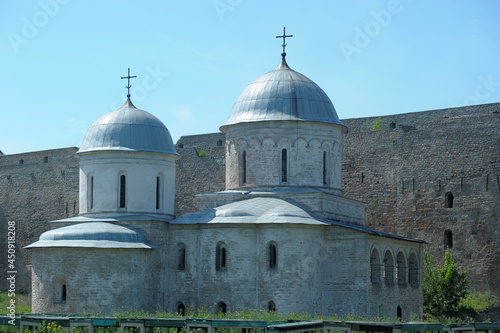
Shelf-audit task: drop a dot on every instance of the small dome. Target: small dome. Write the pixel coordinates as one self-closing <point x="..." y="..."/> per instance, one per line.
<point x="128" y="129"/>
<point x="283" y="94"/>
<point x="93" y="234"/>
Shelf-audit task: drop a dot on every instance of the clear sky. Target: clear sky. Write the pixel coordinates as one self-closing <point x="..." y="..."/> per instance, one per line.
<point x="61" y="60"/>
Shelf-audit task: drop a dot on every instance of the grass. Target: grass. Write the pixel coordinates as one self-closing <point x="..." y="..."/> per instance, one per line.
<point x="475" y="303"/>
<point x="23" y="303"/>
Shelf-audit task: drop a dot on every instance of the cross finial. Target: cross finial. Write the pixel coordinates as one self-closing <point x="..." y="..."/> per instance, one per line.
<point x="128" y="77"/>
<point x="284" y="40"/>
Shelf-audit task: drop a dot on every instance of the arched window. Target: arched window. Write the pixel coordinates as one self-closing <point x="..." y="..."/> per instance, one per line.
<point x="123" y="184"/>
<point x="448" y="239"/>
<point x="375" y="267"/>
<point x="325" y="178"/>
<point x="271" y="307"/>
<point x="63" y="293"/>
<point x="220" y="256"/>
<point x="244" y="167"/>
<point x="284" y="166"/>
<point x="401" y="269"/>
<point x="182" y="257"/>
<point x="181" y="309"/>
<point x="222" y="307"/>
<point x="158" y="192"/>
<point x="448" y="200"/>
<point x="90" y="191"/>
<point x="413" y="271"/>
<point x="399" y="312"/>
<point x="388" y="269"/>
<point x="273" y="260"/>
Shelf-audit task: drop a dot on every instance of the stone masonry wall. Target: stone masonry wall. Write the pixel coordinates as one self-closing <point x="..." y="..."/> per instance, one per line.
<point x="35" y="188"/>
<point x="200" y="169"/>
<point x="405" y="170"/>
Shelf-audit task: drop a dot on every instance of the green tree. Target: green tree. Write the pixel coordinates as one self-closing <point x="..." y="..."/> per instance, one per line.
<point x="443" y="287"/>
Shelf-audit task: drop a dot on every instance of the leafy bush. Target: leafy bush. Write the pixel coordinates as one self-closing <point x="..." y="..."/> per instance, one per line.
<point x="444" y="287"/>
<point x="475" y="303"/>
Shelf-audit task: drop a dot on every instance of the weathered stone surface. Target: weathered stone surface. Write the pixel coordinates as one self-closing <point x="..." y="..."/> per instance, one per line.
<point x="200" y="169"/>
<point x="35" y="188"/>
<point x="404" y="171"/>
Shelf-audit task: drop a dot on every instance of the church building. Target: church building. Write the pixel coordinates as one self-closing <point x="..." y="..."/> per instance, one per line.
<point x="280" y="237"/>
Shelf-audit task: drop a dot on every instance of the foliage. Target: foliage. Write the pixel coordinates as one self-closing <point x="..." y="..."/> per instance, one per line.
<point x="443" y="287"/>
<point x="377" y="124"/>
<point x="23" y="304"/>
<point x="476" y="302"/>
<point x="202" y="153"/>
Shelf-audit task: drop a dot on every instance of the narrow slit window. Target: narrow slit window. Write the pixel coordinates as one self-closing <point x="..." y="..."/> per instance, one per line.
<point x="91" y="192"/>
<point x="448" y="200"/>
<point x="324" y="168"/>
<point x="63" y="293"/>
<point x="122" y="191"/>
<point x="284" y="166"/>
<point x="448" y="239"/>
<point x="220" y="257"/>
<point x="272" y="255"/>
<point x="244" y="167"/>
<point x="182" y="257"/>
<point x="158" y="192"/>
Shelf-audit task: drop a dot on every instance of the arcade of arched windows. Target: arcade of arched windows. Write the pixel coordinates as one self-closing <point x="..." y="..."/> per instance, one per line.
<point x="394" y="267"/>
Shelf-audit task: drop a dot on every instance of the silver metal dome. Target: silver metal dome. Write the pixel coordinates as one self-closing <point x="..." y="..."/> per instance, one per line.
<point x="283" y="94"/>
<point x="93" y="234"/>
<point x="128" y="129"/>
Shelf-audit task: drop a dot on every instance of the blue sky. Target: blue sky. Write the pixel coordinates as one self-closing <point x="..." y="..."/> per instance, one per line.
<point x="61" y="60"/>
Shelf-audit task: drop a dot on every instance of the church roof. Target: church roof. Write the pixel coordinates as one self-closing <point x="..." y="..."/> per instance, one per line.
<point x="265" y="210"/>
<point x="94" y="235"/>
<point x="255" y="210"/>
<point x="128" y="129"/>
<point x="283" y="94"/>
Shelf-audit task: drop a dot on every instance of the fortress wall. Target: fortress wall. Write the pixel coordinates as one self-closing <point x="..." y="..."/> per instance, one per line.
<point x="453" y="151"/>
<point x="198" y="173"/>
<point x="35" y="188"/>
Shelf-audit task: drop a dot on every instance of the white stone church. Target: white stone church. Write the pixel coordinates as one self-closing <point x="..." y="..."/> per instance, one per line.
<point x="281" y="237"/>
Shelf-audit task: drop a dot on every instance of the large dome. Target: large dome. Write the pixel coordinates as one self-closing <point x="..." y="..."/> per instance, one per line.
<point x="128" y="129"/>
<point x="283" y="94"/>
